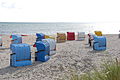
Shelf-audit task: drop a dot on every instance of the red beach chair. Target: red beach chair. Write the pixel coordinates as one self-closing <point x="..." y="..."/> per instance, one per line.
<point x="70" y="36"/>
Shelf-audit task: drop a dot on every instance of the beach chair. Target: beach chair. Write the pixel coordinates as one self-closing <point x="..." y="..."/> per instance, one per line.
<point x="21" y="55"/>
<point x="70" y="36"/>
<point x="61" y="37"/>
<point x="81" y="36"/>
<point x="99" y="43"/>
<point x="16" y="39"/>
<point x="50" y="37"/>
<point x="0" y="41"/>
<point x="52" y="45"/>
<point x="40" y="36"/>
<point x="98" y="33"/>
<point x="43" y="50"/>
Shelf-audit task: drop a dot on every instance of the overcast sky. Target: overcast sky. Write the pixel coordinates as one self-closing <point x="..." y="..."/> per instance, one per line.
<point x="59" y="10"/>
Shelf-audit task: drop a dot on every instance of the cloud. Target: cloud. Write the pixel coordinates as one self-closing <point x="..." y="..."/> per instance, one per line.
<point x="10" y="4"/>
<point x="59" y="10"/>
<point x="7" y="5"/>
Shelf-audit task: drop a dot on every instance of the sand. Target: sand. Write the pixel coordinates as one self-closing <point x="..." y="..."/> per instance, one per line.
<point x="70" y="56"/>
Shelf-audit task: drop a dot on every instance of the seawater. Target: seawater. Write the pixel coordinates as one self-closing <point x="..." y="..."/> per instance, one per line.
<point x="53" y="28"/>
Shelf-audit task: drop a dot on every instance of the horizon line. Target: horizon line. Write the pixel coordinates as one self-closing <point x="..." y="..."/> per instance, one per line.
<point x="56" y="22"/>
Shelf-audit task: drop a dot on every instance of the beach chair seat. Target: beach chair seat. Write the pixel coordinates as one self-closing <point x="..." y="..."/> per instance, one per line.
<point x="52" y="45"/>
<point x="70" y="36"/>
<point x="99" y="43"/>
<point x="61" y="37"/>
<point x="21" y="55"/>
<point x="98" y="33"/>
<point x="40" y="36"/>
<point x="81" y="36"/>
<point x="42" y="56"/>
<point x="43" y="50"/>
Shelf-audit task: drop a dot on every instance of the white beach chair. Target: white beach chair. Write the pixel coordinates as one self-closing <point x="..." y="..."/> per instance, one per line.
<point x="52" y="44"/>
<point x="81" y="36"/>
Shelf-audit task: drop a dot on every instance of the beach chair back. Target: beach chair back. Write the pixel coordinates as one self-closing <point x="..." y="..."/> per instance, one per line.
<point x="98" y="33"/>
<point x="40" y="36"/>
<point x="61" y="37"/>
<point x="81" y="36"/>
<point x="52" y="44"/>
<point x="99" y="43"/>
<point x="70" y="36"/>
<point x="42" y="46"/>
<point x="21" y="55"/>
<point x="16" y="39"/>
<point x="43" y="50"/>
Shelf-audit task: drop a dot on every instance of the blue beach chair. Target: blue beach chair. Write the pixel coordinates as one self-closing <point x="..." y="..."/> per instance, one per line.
<point x="21" y="55"/>
<point x="99" y="43"/>
<point x="16" y="39"/>
<point x="43" y="50"/>
<point x="40" y="36"/>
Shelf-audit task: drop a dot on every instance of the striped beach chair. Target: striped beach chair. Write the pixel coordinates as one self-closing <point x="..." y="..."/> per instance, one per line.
<point x="52" y="45"/>
<point x="61" y="37"/>
<point x="81" y="36"/>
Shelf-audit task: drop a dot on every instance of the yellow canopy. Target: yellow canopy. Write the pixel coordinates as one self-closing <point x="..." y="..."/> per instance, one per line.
<point x="98" y="33"/>
<point x="46" y="36"/>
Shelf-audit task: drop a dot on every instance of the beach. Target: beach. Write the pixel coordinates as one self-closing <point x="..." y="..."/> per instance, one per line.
<point x="74" y="56"/>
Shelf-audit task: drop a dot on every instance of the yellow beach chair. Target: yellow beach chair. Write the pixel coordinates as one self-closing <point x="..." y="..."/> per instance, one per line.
<point x="98" y="33"/>
<point x="51" y="37"/>
<point x="61" y="37"/>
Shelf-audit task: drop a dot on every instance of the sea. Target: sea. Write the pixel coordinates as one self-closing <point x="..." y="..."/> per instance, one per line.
<point x="51" y="28"/>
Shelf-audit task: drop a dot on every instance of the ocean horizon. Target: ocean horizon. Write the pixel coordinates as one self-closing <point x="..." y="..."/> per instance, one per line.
<point x="51" y="28"/>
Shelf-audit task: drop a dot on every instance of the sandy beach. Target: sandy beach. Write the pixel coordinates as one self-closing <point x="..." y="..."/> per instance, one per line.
<point x="71" y="55"/>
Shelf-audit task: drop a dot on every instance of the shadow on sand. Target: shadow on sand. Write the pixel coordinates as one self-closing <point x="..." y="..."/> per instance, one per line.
<point x="89" y="47"/>
<point x="11" y="70"/>
<point x="94" y="51"/>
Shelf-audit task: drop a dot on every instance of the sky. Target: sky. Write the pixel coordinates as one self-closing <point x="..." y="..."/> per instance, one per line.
<point x="59" y="11"/>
